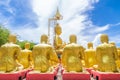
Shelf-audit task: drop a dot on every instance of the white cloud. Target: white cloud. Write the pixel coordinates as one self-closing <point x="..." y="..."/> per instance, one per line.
<point x="7" y="6"/>
<point x="96" y="40"/>
<point x="75" y="20"/>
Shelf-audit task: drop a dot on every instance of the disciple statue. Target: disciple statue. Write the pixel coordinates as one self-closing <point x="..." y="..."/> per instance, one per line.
<point x="118" y="53"/>
<point x="106" y="55"/>
<point x="43" y="56"/>
<point x="72" y="56"/>
<point x="25" y="57"/>
<point x="90" y="56"/>
<point x="0" y="53"/>
<point x="10" y="51"/>
<point x="118" y="61"/>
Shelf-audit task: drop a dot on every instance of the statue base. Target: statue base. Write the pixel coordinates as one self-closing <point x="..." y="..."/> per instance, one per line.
<point x="11" y="76"/>
<point x="40" y="76"/>
<point x="75" y="76"/>
<point x="105" y="75"/>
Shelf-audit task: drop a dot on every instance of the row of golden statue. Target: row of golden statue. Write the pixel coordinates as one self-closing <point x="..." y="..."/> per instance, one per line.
<point x="72" y="56"/>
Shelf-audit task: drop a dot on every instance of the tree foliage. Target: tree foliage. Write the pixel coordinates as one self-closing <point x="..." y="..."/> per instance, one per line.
<point x="4" y="33"/>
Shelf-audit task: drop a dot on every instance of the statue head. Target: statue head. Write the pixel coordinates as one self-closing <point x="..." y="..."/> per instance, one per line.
<point x="104" y="38"/>
<point x="73" y="38"/>
<point x="58" y="30"/>
<point x="90" y="45"/>
<point x="12" y="38"/>
<point x="44" y="38"/>
<point x="27" y="45"/>
<point x="113" y="43"/>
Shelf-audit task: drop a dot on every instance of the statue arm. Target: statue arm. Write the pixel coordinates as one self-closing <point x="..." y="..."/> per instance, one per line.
<point x="34" y="53"/>
<point x="17" y="56"/>
<point x="86" y="57"/>
<point x="0" y="52"/>
<point x="53" y="56"/>
<point x="115" y="53"/>
<point x="64" y="57"/>
<point x="30" y="58"/>
<point x="81" y="53"/>
<point x="98" y="56"/>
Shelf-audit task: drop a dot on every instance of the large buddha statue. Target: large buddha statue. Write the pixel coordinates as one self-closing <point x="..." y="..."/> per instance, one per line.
<point x="106" y="55"/>
<point x="43" y="55"/>
<point x="118" y="49"/>
<point x="73" y="55"/>
<point x="25" y="57"/>
<point x="90" y="56"/>
<point x="10" y="51"/>
<point x="58" y="43"/>
<point x="0" y="53"/>
<point x="118" y="61"/>
<point x="118" y="53"/>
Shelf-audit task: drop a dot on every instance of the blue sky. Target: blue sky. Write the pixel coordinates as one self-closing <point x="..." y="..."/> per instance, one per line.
<point x="88" y="19"/>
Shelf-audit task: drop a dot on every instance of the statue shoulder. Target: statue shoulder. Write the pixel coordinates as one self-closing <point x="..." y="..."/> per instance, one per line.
<point x="42" y="46"/>
<point x="99" y="47"/>
<point x="26" y="50"/>
<point x="90" y="50"/>
<point x="103" y="46"/>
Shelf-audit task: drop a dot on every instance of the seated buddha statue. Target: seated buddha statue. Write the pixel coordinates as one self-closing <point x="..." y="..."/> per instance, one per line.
<point x="0" y="53"/>
<point x="43" y="55"/>
<point x="106" y="55"/>
<point x="25" y="57"/>
<point x="58" y="43"/>
<point x="118" y="49"/>
<point x="118" y="53"/>
<point x="73" y="55"/>
<point x="90" y="56"/>
<point x="10" y="51"/>
<point x="118" y="60"/>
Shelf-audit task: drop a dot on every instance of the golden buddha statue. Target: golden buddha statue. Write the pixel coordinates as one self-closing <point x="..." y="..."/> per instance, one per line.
<point x="43" y="55"/>
<point x="0" y="53"/>
<point x="90" y="56"/>
<point x="118" y="50"/>
<point x="106" y="55"/>
<point x="118" y="60"/>
<point x="73" y="55"/>
<point x="118" y="53"/>
<point x="25" y="57"/>
<point x="10" y="51"/>
<point x="58" y="43"/>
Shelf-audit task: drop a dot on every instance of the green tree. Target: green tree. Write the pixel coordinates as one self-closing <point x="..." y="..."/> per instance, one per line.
<point x="4" y="33"/>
